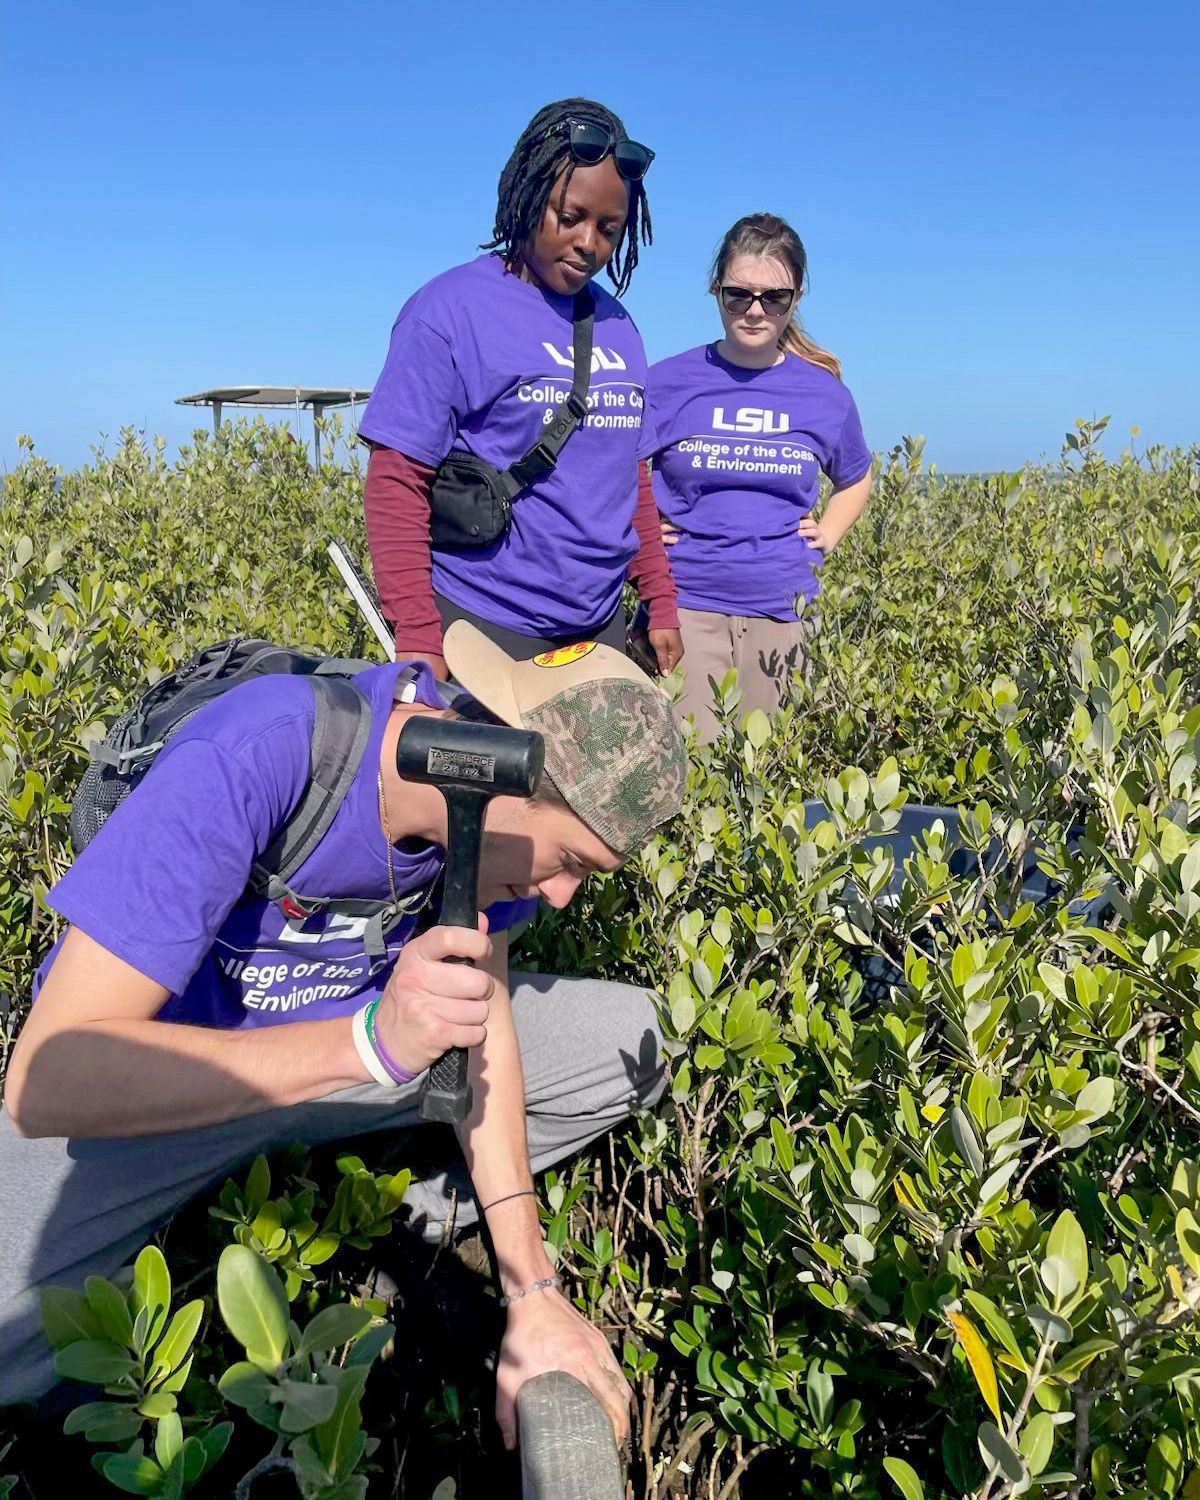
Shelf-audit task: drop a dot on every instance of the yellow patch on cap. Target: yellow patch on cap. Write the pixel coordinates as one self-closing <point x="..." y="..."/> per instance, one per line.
<point x="564" y="655"/>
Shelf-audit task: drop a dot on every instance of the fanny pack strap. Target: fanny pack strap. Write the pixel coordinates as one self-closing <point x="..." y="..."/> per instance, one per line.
<point x="542" y="457"/>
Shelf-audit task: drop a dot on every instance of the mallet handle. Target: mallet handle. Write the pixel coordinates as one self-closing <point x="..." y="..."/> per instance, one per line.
<point x="446" y="1094"/>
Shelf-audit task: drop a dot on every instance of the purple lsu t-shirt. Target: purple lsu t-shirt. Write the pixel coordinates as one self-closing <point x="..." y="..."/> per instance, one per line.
<point x="480" y="361"/>
<point x="162" y="884"/>
<point x="737" y="455"/>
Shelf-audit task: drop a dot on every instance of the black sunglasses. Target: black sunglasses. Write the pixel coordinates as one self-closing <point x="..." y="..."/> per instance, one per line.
<point x="739" y="299"/>
<point x="590" y="144"/>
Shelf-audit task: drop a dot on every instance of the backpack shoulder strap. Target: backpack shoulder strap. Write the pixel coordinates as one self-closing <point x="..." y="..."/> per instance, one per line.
<point x="341" y="727"/>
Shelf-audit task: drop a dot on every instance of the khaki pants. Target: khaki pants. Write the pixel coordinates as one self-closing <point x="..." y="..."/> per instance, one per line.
<point x="764" y="652"/>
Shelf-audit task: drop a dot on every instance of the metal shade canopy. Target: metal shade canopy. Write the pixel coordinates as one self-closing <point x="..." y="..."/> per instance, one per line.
<point x="293" y="396"/>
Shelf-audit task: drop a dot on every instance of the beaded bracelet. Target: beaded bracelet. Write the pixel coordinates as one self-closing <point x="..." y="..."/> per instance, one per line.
<point x="538" y="1286"/>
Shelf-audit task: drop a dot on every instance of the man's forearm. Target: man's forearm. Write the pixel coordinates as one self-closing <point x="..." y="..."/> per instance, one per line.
<point x="494" y="1143"/>
<point x="139" y="1077"/>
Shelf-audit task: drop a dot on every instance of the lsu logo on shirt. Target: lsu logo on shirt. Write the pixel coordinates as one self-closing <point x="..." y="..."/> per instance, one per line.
<point x="751" y="419"/>
<point x="602" y="359"/>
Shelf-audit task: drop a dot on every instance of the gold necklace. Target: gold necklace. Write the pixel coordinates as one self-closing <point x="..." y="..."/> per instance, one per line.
<point x="387" y="838"/>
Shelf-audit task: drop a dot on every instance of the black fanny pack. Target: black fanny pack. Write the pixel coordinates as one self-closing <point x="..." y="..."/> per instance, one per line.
<point x="470" y="501"/>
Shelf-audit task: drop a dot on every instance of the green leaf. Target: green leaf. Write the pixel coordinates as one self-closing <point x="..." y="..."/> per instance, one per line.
<point x="905" y="1478"/>
<point x="370" y="1345"/>
<point x="111" y="1308"/>
<point x="67" y="1318"/>
<point x="1095" y="1099"/>
<point x="151" y="1293"/>
<point x="862" y="1183"/>
<point x="95" y="1361"/>
<point x="178" y="1380"/>
<point x="214" y="1443"/>
<point x="1102" y="736"/>
<point x="683" y="1011"/>
<point x="1051" y="1326"/>
<point x="1037" y="1441"/>
<point x="912" y="1124"/>
<point x="820" y="1395"/>
<point x="306" y="1405"/>
<point x="997" y="1450"/>
<point x="1067" y="1240"/>
<point x="258" y="1184"/>
<point x="157" y="1404"/>
<point x="168" y="1439"/>
<point x="758" y="728"/>
<point x="175" y="1344"/>
<point x="1164" y="1465"/>
<point x="785" y="1153"/>
<point x="1174" y="1367"/>
<point x="1076" y="1360"/>
<point x="339" y="1440"/>
<point x="103" y="1422"/>
<point x="132" y="1472"/>
<point x="252" y="1302"/>
<point x="1058" y="1278"/>
<point x="332" y="1327"/>
<point x="311" y="1474"/>
<point x="1187" y="1235"/>
<point x="965" y="1138"/>
<point x="246" y="1386"/>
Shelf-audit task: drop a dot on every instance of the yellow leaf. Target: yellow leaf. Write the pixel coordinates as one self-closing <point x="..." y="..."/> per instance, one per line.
<point x="979" y="1359"/>
<point x="1013" y="1363"/>
<point x="902" y="1195"/>
<point x="932" y="1112"/>
<point x="1177" y="1286"/>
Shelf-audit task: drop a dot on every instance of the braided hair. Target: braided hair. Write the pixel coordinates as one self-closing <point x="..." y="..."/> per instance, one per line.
<point x="530" y="173"/>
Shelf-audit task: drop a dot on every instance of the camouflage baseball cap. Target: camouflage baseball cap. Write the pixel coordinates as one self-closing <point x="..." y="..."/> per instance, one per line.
<point x="613" y="748"/>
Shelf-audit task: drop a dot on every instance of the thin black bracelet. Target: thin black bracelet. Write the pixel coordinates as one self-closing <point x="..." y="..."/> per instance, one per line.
<point x="524" y="1193"/>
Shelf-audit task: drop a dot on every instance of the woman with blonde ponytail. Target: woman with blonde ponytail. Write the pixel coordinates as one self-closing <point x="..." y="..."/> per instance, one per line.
<point x="741" y="431"/>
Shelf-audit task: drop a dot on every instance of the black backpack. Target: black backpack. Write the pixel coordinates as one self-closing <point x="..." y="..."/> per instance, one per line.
<point x="341" y="725"/>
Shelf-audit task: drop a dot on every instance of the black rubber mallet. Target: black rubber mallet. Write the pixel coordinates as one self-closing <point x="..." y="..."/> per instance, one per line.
<point x="469" y="763"/>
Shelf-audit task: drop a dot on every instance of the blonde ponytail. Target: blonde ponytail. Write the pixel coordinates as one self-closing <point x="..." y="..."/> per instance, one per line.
<point x="796" y="341"/>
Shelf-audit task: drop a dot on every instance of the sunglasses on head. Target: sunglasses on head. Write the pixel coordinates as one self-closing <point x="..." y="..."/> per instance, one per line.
<point x="590" y="144"/>
<point x="739" y="299"/>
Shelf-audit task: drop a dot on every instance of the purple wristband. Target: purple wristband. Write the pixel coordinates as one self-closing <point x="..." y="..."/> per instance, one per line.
<point x="390" y="1066"/>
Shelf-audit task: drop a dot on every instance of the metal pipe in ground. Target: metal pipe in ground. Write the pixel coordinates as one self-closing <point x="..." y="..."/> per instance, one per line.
<point x="568" y="1451"/>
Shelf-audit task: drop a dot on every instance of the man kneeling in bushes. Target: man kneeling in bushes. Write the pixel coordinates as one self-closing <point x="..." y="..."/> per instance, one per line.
<point x="183" y="1025"/>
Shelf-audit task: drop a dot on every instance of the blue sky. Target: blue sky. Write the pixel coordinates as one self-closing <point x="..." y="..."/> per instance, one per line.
<point x="999" y="202"/>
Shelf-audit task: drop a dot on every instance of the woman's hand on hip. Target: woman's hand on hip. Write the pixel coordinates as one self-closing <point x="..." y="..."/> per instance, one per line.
<point x="815" y="534"/>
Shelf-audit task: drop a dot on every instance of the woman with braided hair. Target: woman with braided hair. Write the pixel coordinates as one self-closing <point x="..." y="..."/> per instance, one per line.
<point x="480" y="364"/>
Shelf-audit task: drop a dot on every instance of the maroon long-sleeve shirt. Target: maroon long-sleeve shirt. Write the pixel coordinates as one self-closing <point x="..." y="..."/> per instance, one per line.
<point x="396" y="499"/>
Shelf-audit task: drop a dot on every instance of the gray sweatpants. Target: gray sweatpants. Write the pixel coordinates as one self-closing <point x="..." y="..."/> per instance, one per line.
<point x="69" y="1209"/>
